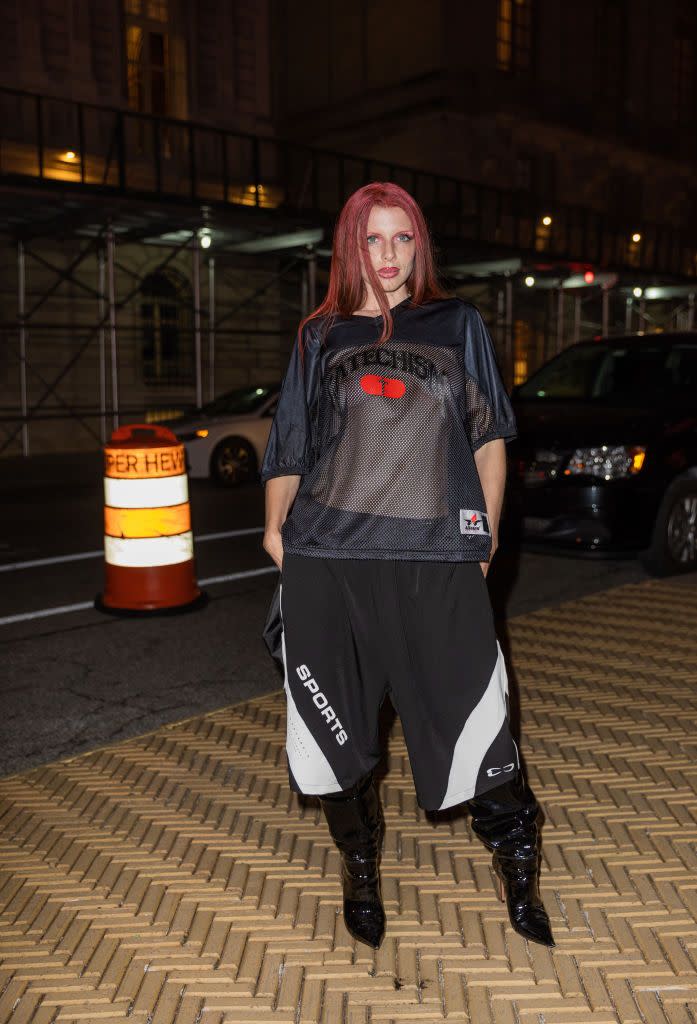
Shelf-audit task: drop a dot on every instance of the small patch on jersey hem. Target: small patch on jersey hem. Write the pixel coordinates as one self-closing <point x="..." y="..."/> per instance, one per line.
<point x="473" y="521"/>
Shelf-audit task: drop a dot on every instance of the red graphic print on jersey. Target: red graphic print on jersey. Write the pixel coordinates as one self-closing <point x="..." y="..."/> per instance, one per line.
<point x="389" y="387"/>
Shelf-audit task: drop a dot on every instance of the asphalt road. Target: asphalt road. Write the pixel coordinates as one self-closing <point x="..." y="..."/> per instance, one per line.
<point x="76" y="680"/>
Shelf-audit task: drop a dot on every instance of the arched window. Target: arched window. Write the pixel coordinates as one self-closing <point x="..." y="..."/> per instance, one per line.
<point x="166" y="329"/>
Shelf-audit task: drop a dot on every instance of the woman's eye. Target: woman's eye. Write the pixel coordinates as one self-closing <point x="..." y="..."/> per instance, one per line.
<point x="405" y="237"/>
<point x="371" y="238"/>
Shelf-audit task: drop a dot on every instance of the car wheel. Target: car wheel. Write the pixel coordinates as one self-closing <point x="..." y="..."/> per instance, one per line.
<point x="233" y="462"/>
<point x="674" y="542"/>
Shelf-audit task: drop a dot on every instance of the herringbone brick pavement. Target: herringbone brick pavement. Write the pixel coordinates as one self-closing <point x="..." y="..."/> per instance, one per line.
<point x="174" y="879"/>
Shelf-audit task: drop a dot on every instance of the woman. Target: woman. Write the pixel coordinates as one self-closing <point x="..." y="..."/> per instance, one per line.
<point x="384" y="474"/>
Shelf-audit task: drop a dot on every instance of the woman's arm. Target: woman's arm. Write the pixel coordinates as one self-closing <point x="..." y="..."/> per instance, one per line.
<point x="280" y="494"/>
<point x="490" y="460"/>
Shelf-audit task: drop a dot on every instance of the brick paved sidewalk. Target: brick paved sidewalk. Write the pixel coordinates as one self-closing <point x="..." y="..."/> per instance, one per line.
<point x="174" y="879"/>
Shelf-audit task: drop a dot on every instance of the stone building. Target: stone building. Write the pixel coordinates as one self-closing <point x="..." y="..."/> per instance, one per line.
<point x="551" y="146"/>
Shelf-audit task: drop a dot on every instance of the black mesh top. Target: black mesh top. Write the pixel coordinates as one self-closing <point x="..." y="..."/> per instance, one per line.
<point x="383" y="435"/>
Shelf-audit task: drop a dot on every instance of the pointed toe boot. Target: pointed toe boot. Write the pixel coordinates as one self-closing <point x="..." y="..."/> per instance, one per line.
<point x="355" y="822"/>
<point x="505" y="819"/>
<point x="518" y="887"/>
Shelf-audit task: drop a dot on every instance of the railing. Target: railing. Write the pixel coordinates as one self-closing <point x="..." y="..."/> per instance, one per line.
<point x="85" y="146"/>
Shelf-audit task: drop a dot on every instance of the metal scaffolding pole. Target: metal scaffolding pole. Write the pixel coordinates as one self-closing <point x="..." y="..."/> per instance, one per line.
<point x="690" y="311"/>
<point x="628" y="314"/>
<point x="560" y="319"/>
<point x="501" y="331"/>
<point x="509" y="329"/>
<point x="101" y="308"/>
<point x="304" y="309"/>
<point x="21" y="310"/>
<point x="112" y="328"/>
<point x="312" y="279"/>
<point x="606" y="312"/>
<point x="211" y="328"/>
<point x="196" y="266"/>
<point x="577" y="318"/>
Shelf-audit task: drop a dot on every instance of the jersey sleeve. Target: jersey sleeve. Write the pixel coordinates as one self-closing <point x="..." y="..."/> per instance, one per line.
<point x="290" y="447"/>
<point x="488" y="411"/>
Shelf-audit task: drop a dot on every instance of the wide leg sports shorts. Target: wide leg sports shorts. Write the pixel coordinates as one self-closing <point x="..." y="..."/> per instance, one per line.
<point x="422" y="632"/>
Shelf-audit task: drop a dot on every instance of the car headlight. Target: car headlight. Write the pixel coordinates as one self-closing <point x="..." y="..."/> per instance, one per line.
<point x="609" y="462"/>
<point x="193" y="436"/>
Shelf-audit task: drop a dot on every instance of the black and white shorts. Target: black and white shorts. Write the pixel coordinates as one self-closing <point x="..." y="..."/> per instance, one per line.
<point x="422" y="632"/>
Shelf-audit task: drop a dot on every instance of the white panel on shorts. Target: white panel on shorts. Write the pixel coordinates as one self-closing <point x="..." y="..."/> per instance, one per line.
<point x="479" y="732"/>
<point x="309" y="765"/>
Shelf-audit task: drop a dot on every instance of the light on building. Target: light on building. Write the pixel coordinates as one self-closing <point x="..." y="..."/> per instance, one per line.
<point x="204" y="237"/>
<point x="546" y="220"/>
<point x="637" y="292"/>
<point x="589" y="277"/>
<point x="636" y="237"/>
<point x="529" y="280"/>
<point x="69" y="156"/>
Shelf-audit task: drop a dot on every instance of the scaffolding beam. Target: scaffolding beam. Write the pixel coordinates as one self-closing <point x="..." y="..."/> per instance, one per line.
<point x="211" y="328"/>
<point x="196" y="274"/>
<point x="21" y="309"/>
<point x="113" y="342"/>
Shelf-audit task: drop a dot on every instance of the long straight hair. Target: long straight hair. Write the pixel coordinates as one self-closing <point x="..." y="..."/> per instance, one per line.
<point x="346" y="290"/>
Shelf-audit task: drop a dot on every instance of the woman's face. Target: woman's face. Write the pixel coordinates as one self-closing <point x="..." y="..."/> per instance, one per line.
<point x="390" y="246"/>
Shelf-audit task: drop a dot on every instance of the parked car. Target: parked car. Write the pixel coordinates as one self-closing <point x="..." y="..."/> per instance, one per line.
<point x="226" y="438"/>
<point x="606" y="455"/>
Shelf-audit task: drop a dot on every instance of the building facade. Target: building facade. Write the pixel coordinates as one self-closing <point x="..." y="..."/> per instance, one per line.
<point x="551" y="146"/>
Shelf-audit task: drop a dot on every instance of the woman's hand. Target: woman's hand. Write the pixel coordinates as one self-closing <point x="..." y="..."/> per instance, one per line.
<point x="279" y="495"/>
<point x="273" y="545"/>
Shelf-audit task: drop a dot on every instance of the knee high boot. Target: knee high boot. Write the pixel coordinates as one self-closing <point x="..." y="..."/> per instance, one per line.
<point x="356" y="824"/>
<point x="505" y="819"/>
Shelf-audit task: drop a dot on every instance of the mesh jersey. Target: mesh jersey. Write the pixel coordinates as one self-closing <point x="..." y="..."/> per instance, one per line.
<point x="383" y="435"/>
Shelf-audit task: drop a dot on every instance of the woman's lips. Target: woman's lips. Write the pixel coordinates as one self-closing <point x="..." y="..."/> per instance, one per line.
<point x="389" y="272"/>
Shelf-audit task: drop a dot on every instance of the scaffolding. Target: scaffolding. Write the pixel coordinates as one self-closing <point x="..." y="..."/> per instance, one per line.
<point x="108" y="179"/>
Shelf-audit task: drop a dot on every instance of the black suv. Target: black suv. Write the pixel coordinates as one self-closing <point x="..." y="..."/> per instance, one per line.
<point x="606" y="457"/>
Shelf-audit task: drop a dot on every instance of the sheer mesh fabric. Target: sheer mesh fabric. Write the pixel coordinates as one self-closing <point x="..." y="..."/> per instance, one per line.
<point x="384" y="435"/>
<point x="393" y="456"/>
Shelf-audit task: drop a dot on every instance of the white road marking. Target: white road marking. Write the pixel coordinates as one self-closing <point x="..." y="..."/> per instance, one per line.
<point x="82" y="606"/>
<point x="80" y="556"/>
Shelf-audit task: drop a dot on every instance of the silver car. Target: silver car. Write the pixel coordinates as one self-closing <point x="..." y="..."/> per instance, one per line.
<point x="226" y="438"/>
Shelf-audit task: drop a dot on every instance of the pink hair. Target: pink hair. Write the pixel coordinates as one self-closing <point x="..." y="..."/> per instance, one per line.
<point x="346" y="290"/>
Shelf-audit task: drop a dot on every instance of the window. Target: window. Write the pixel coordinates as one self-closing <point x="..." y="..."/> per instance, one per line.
<point x="514" y="36"/>
<point x="683" y="74"/>
<point x="609" y="61"/>
<point x="635" y="373"/>
<point x="165" y="328"/>
<point x="147" y="50"/>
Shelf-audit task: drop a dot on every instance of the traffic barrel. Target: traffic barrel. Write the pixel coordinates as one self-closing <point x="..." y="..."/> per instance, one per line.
<point x="148" y="543"/>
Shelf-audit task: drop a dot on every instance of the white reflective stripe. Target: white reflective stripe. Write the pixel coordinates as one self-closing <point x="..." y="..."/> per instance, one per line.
<point x="144" y="552"/>
<point x="309" y="765"/>
<point x="480" y="730"/>
<point x="155" y="493"/>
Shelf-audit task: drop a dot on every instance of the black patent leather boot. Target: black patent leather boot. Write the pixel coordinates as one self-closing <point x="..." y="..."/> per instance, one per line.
<point x="505" y="819"/>
<point x="355" y="821"/>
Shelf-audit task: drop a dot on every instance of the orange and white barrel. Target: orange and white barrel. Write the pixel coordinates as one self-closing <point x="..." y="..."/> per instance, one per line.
<point x="148" y="543"/>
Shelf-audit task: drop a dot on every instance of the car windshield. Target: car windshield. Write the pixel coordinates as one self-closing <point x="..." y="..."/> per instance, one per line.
<point x="620" y="372"/>
<point x="239" y="401"/>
